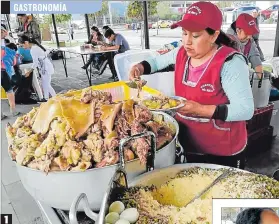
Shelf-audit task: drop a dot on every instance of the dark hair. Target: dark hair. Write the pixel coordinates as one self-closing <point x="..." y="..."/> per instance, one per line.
<point x="108" y="33"/>
<point x="11" y="46"/>
<point x="105" y="27"/>
<point x="95" y="28"/>
<point x="21" y="14"/>
<point x="7" y="41"/>
<point x="4" y="26"/>
<point x="31" y="40"/>
<point x="251" y="216"/>
<point x="223" y="39"/>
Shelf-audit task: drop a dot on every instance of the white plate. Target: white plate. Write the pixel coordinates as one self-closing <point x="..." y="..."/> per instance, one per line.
<point x="179" y="98"/>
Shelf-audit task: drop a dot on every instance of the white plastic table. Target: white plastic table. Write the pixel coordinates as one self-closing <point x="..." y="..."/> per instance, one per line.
<point x="84" y="55"/>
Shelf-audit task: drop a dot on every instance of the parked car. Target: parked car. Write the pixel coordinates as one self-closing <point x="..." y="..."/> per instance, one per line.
<point x="162" y="24"/>
<point x="60" y="30"/>
<point x="227" y="9"/>
<point x="266" y="14"/>
<point x="244" y="9"/>
<point x="274" y="16"/>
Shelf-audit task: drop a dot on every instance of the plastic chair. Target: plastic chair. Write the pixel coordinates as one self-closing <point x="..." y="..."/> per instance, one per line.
<point x="123" y="62"/>
<point x="3" y="94"/>
<point x="163" y="81"/>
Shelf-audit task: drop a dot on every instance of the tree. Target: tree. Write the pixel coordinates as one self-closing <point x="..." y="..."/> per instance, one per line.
<point x="102" y="12"/>
<point x="59" y="18"/>
<point x="224" y="4"/>
<point x="164" y="10"/>
<point x="135" y="9"/>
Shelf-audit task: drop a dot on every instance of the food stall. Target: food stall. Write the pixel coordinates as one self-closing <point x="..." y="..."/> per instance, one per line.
<point x="54" y="148"/>
<point x="67" y="152"/>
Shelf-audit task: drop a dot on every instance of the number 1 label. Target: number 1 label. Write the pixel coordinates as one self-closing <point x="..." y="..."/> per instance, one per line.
<point x="6" y="218"/>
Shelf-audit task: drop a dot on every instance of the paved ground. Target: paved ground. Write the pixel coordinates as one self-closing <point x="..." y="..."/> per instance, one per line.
<point x="16" y="201"/>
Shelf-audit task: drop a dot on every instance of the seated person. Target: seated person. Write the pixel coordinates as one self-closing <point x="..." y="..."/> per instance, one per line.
<point x="96" y="38"/>
<point x="117" y="42"/>
<point x="242" y="31"/>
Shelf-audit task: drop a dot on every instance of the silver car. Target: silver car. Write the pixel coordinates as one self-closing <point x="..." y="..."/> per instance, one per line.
<point x="244" y="9"/>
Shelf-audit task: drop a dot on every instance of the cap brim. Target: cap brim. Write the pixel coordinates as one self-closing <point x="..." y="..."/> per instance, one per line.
<point x="252" y="31"/>
<point x="189" y="25"/>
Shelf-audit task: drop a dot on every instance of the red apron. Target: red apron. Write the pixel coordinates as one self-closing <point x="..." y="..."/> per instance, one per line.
<point x="213" y="137"/>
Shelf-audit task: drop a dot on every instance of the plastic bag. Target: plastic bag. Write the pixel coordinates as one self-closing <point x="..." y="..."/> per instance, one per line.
<point x="275" y="66"/>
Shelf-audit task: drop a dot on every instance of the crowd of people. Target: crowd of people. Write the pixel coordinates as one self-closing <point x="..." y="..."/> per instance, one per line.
<point x="28" y="50"/>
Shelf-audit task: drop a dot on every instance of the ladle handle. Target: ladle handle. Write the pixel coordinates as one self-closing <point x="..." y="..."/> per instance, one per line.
<point x="83" y="201"/>
<point x="150" y="161"/>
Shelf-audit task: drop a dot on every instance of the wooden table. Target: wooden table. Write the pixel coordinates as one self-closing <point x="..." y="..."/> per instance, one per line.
<point x="84" y="55"/>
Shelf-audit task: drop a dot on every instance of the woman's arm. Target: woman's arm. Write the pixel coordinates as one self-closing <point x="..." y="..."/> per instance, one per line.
<point x="154" y="64"/>
<point x="236" y="84"/>
<point x="254" y="58"/>
<point x="35" y="56"/>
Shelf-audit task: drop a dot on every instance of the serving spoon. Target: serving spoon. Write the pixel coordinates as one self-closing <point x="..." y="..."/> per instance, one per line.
<point x="217" y="180"/>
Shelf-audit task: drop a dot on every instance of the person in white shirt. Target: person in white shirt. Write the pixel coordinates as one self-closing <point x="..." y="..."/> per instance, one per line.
<point x="40" y="61"/>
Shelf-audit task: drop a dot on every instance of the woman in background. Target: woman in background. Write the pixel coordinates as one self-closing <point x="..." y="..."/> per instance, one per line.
<point x="42" y="62"/>
<point x="96" y="38"/>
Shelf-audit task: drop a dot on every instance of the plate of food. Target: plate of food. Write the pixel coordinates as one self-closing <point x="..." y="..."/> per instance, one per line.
<point x="163" y="103"/>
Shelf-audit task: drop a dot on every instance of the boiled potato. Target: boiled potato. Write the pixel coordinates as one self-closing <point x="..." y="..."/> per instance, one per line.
<point x="166" y="106"/>
<point x="173" y="103"/>
<point x="153" y="105"/>
<point x="147" y="102"/>
<point x="117" y="207"/>
<point x="112" y="217"/>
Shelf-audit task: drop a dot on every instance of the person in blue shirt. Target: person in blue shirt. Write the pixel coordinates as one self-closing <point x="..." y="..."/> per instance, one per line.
<point x="8" y="57"/>
<point x="26" y="55"/>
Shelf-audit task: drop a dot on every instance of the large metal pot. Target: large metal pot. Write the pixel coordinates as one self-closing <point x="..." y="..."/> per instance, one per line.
<point x="155" y="177"/>
<point x="59" y="189"/>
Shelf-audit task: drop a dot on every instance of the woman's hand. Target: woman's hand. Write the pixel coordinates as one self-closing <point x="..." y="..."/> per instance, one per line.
<point x="191" y="108"/>
<point x="27" y="74"/>
<point x="195" y="109"/>
<point x="136" y="71"/>
<point x="103" y="48"/>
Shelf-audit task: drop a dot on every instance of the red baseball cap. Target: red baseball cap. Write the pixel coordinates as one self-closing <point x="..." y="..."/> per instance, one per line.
<point x="247" y="23"/>
<point x="199" y="16"/>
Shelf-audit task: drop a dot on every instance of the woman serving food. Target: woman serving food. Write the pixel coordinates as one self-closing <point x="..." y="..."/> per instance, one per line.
<point x="214" y="78"/>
